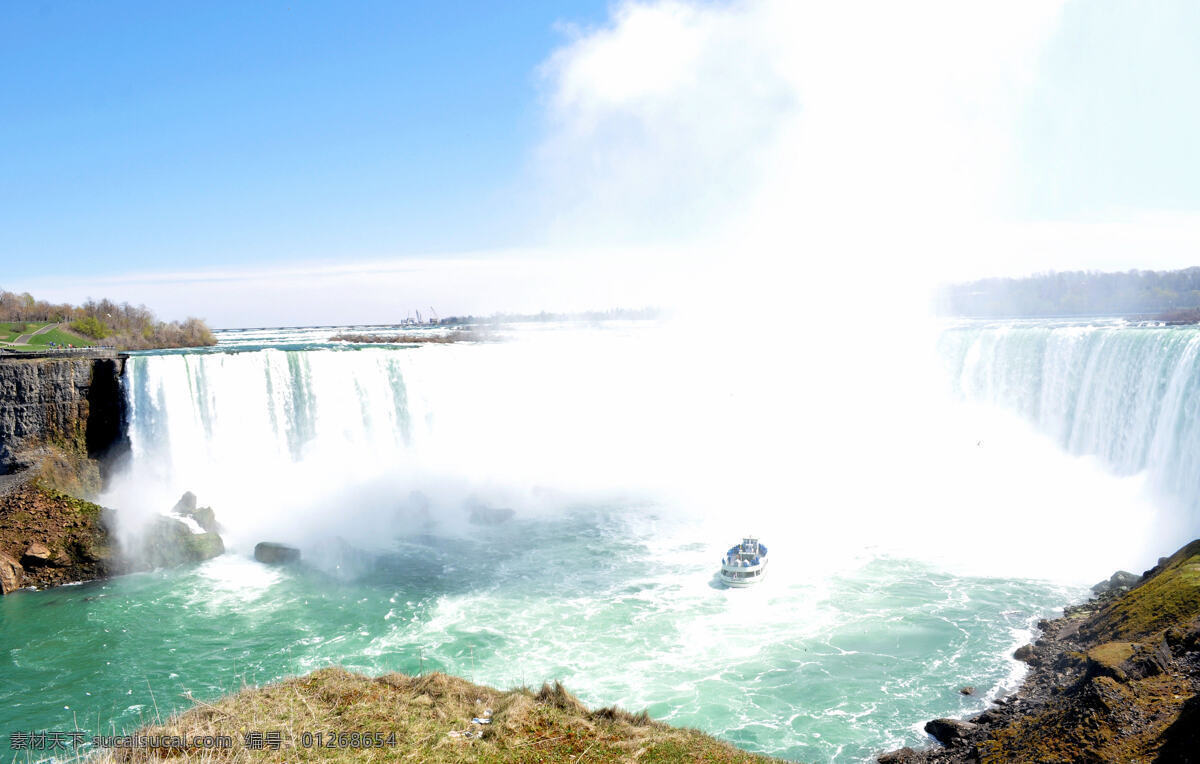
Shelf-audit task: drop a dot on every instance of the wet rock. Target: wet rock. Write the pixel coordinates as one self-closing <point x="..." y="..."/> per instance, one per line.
<point x="968" y="690"/>
<point x="186" y="504"/>
<point x="275" y="554"/>
<point x="490" y="515"/>
<point x="903" y="755"/>
<point x="11" y="574"/>
<point x="1121" y="581"/>
<point x="37" y="555"/>
<point x="951" y="731"/>
<point x="206" y="519"/>
<point x="204" y="516"/>
<point x="169" y="542"/>
<point x="1025" y="653"/>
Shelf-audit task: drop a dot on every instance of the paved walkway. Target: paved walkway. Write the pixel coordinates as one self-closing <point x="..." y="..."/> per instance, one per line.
<point x="25" y="338"/>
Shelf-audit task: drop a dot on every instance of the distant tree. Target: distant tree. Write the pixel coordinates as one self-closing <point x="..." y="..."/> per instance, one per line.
<point x="90" y="326"/>
<point x="1076" y="293"/>
<point x="120" y="325"/>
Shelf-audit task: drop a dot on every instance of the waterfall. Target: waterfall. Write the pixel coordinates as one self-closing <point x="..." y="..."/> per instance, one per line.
<point x="838" y="444"/>
<point x="1129" y="395"/>
<point x="285" y="439"/>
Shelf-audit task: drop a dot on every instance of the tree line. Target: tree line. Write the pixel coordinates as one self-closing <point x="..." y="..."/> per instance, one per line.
<point x="1076" y="293"/>
<point x="121" y="325"/>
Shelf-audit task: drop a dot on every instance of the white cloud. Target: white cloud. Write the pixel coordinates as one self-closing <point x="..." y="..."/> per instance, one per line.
<point x="384" y="290"/>
<point x="769" y="154"/>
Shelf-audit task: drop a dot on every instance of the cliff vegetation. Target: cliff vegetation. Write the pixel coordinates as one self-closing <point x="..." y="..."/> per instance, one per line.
<point x="104" y="322"/>
<point x="427" y="718"/>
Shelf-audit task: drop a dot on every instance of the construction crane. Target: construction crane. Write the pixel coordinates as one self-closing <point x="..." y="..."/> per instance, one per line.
<point x="435" y="318"/>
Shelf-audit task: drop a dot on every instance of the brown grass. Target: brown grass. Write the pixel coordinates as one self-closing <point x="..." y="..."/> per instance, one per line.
<point x="422" y="712"/>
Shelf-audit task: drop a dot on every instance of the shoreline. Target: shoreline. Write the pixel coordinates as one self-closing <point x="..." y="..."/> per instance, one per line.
<point x="1115" y="678"/>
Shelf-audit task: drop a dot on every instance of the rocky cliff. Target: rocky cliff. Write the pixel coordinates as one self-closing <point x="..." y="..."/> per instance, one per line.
<point x="71" y="404"/>
<point x="1114" y="679"/>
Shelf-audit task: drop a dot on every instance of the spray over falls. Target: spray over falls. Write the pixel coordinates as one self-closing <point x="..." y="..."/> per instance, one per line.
<point x="375" y="444"/>
<point x="905" y="559"/>
<point x="1127" y="395"/>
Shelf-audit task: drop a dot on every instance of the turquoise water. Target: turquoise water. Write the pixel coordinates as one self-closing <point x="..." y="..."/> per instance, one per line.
<point x="899" y="529"/>
<point x="834" y="669"/>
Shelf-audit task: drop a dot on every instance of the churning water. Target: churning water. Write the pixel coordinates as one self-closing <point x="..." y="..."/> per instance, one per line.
<point x="911" y="552"/>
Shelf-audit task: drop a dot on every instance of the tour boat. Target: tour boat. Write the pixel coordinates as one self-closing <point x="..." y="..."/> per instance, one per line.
<point x="744" y="564"/>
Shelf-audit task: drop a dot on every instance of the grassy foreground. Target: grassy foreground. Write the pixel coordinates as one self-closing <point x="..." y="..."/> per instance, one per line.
<point x="428" y="715"/>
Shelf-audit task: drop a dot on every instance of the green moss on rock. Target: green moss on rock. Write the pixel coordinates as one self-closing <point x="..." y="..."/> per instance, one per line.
<point x="1169" y="597"/>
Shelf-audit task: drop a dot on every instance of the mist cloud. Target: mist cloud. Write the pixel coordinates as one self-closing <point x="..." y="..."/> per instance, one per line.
<point x="743" y="153"/>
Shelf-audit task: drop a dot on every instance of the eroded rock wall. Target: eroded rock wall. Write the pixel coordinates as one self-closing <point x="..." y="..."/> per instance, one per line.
<point x="72" y="404"/>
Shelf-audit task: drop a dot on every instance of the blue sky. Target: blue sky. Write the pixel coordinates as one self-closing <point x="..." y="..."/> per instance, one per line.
<point x="148" y="135"/>
<point x="358" y="159"/>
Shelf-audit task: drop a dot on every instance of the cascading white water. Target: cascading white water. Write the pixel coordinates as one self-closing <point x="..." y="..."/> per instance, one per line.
<point x="292" y="441"/>
<point x="904" y="528"/>
<point x="829" y="443"/>
<point x="1129" y="395"/>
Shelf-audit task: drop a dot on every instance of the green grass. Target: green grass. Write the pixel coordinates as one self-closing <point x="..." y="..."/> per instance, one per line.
<point x="1171" y="597"/>
<point x="62" y="338"/>
<point x="10" y="330"/>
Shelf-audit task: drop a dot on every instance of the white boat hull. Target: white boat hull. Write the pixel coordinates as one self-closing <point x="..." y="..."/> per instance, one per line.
<point x="742" y="583"/>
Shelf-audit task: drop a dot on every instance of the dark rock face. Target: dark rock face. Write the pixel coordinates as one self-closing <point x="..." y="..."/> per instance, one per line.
<point x="72" y="402"/>
<point x="104" y="432"/>
<point x="275" y="554"/>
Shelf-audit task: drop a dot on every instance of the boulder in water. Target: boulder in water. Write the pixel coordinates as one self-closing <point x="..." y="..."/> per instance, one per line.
<point x="206" y="519"/>
<point x="490" y="515"/>
<point x="275" y="554"/>
<point x="951" y="731"/>
<point x="186" y="504"/>
<point x="204" y="516"/>
<point x="168" y="542"/>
